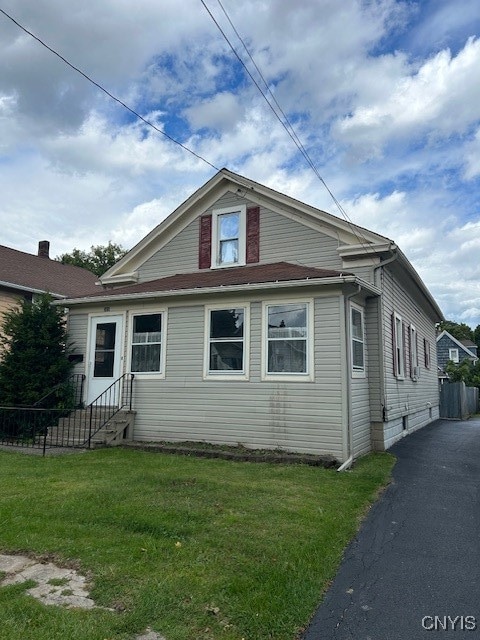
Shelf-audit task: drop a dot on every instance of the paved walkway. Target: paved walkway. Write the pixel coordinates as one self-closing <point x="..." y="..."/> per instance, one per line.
<point x="413" y="571"/>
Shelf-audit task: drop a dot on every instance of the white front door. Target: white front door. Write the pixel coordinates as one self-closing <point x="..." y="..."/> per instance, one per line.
<point x="104" y="355"/>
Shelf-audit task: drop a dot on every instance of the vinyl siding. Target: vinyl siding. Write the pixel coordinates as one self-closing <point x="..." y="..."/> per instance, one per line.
<point x="77" y="327"/>
<point x="281" y="239"/>
<point x="407" y="399"/>
<point x="8" y="300"/>
<point x="297" y="416"/>
<point x="360" y="397"/>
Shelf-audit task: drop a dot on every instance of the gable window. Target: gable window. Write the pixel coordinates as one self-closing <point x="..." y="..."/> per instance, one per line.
<point x="229" y="237"/>
<point x="146" y="353"/>
<point x="357" y="341"/>
<point x="398" y="329"/>
<point x="226" y="339"/>
<point x="453" y="355"/>
<point x="288" y="339"/>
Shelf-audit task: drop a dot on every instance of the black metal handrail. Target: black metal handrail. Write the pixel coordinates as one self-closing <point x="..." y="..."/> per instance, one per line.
<point x="115" y="398"/>
<point x="76" y="382"/>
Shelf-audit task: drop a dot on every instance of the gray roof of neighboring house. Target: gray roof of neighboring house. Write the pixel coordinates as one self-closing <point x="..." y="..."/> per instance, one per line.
<point x="35" y="273"/>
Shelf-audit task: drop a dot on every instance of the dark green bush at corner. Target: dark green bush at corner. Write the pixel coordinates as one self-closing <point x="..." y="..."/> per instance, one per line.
<point x="35" y="357"/>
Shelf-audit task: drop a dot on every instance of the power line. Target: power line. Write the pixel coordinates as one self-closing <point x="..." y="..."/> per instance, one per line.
<point x="286" y="124"/>
<point x="110" y="95"/>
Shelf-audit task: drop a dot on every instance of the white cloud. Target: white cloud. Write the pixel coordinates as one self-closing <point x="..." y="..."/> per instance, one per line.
<point x="441" y="98"/>
<point x="79" y="170"/>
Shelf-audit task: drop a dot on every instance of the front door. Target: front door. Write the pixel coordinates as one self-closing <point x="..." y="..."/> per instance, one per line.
<point x="104" y="361"/>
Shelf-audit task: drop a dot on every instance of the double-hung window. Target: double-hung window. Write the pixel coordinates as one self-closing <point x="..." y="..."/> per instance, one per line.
<point x="226" y="352"/>
<point x="426" y="353"/>
<point x="398" y="346"/>
<point x="288" y="340"/>
<point x="358" y="341"/>
<point x="147" y="339"/>
<point x="229" y="237"/>
<point x="453" y="355"/>
<point x="414" y="368"/>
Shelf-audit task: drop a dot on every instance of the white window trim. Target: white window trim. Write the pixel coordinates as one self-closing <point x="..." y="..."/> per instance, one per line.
<point x="400" y="363"/>
<point x="309" y="376"/>
<point x="357" y="372"/>
<point x="227" y="375"/>
<point x="242" y="239"/>
<point x="148" y="375"/>
<point x="454" y="355"/>
<point x="426" y="349"/>
<point x="414" y="366"/>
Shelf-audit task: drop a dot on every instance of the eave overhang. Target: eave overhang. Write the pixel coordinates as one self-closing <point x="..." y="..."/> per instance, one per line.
<point x="369" y="288"/>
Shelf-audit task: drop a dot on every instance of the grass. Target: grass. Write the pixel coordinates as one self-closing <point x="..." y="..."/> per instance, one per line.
<point x="196" y="549"/>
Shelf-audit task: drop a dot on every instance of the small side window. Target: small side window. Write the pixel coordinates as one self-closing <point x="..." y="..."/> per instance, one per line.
<point x="357" y="341"/>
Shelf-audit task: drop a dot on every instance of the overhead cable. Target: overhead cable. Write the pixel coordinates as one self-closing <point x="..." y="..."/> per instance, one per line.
<point x="285" y="122"/>
<point x="108" y="93"/>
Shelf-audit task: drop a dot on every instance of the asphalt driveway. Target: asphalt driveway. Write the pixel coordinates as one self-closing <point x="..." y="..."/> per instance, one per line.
<point x="413" y="571"/>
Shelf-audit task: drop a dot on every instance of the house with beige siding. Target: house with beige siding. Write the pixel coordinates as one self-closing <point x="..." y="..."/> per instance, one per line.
<point x="25" y="275"/>
<point x="248" y="317"/>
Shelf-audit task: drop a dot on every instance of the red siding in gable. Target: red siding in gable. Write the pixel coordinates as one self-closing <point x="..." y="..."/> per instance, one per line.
<point x="253" y="235"/>
<point x="205" y="248"/>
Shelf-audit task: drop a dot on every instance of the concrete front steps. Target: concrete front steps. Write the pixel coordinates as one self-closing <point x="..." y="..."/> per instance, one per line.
<point x="74" y="429"/>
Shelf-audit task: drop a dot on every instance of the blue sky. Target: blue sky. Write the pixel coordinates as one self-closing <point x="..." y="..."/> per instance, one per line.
<point x="385" y="96"/>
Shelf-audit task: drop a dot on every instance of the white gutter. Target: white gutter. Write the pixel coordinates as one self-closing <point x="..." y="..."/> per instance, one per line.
<point x="19" y="287"/>
<point x="335" y="280"/>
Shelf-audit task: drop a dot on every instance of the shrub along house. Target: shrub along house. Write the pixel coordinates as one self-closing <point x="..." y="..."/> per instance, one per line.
<point x="250" y="317"/>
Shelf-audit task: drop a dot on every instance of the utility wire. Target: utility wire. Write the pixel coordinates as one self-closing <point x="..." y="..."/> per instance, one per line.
<point x="286" y="124"/>
<point x="110" y="95"/>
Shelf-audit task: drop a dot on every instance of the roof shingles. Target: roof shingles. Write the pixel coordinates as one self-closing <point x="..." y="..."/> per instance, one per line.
<point x="28" y="271"/>
<point x="231" y="276"/>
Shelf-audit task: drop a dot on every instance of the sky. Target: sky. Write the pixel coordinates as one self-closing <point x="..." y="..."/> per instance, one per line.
<point x="383" y="94"/>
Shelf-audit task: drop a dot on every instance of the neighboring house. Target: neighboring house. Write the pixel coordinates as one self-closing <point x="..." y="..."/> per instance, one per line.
<point x="23" y="275"/>
<point x="449" y="348"/>
<point x="250" y="317"/>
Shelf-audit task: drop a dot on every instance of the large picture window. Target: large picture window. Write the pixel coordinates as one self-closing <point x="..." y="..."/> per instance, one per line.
<point x="226" y="341"/>
<point x="287" y="339"/>
<point x="358" y="341"/>
<point x="146" y="343"/>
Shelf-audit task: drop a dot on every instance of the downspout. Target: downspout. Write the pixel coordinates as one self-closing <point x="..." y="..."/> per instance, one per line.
<point x="348" y="462"/>
<point x="376" y="269"/>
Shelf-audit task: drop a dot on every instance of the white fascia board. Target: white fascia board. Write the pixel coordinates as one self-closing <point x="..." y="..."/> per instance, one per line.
<point x="208" y="194"/>
<point x="136" y="255"/>
<point x="295" y="205"/>
<point x="19" y="287"/>
<point x="287" y="284"/>
<point x="355" y="250"/>
<point x="420" y="284"/>
<point x="128" y="278"/>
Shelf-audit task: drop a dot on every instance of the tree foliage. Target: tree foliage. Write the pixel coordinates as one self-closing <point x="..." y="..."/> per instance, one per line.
<point x="36" y="351"/>
<point x="465" y="371"/>
<point x="98" y="260"/>
<point x="460" y="331"/>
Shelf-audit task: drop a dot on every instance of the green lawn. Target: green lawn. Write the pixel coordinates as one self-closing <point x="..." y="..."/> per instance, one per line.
<point x="196" y="549"/>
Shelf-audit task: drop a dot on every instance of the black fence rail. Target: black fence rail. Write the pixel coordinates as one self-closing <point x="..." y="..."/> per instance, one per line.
<point x="27" y="426"/>
<point x="69" y="424"/>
